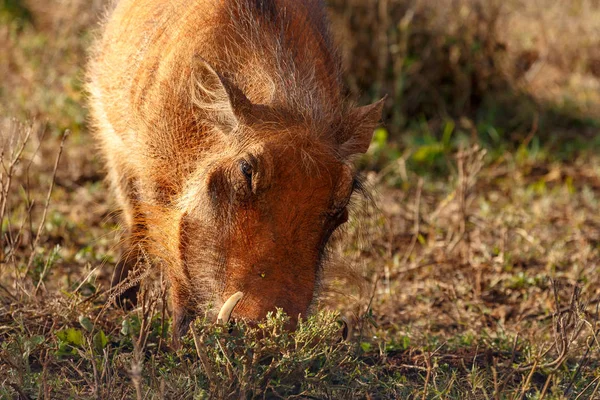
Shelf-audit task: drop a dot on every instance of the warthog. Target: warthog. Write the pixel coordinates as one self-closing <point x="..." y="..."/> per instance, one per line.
<point x="228" y="141"/>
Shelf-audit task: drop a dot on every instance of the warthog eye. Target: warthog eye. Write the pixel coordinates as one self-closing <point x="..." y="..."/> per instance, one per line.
<point x="246" y="169"/>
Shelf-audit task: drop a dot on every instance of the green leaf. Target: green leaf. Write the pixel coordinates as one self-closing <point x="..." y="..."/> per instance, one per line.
<point x="37" y="340"/>
<point x="125" y="328"/>
<point x="71" y="336"/>
<point x="65" y="350"/>
<point x="100" y="341"/>
<point x="428" y="152"/>
<point x="86" y="323"/>
<point x="405" y="342"/>
<point x="448" y="130"/>
<point x="380" y="137"/>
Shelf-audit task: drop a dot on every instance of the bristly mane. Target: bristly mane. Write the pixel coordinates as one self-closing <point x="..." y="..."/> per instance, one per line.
<point x="283" y="56"/>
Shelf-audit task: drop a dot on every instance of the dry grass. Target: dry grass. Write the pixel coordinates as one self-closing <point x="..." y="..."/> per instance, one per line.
<point x="480" y="257"/>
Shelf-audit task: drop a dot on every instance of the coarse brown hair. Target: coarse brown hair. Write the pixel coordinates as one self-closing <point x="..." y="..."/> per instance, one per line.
<point x="228" y="141"/>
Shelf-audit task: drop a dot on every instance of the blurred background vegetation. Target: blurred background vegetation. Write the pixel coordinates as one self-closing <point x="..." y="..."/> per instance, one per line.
<point x="509" y="72"/>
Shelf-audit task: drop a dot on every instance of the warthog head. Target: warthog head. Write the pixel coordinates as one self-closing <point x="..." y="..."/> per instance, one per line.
<point x="258" y="210"/>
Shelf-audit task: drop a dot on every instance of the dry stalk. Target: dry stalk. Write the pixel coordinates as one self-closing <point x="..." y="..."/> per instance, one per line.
<point x="567" y="328"/>
<point x="140" y="271"/>
<point x="136" y="372"/>
<point x="149" y="298"/>
<point x="47" y="202"/>
<point x="415" y="237"/>
<point x="593" y="338"/>
<point x="546" y="385"/>
<point x="528" y="381"/>
<point x="593" y="396"/>
<point x="199" y="344"/>
<point x="163" y="311"/>
<point x="428" y="375"/>
<point x="594" y="393"/>
<point x="469" y="164"/>
<point x="499" y="390"/>
<point x="6" y="177"/>
<point x="495" y="378"/>
<point x="382" y="39"/>
<point x="365" y="317"/>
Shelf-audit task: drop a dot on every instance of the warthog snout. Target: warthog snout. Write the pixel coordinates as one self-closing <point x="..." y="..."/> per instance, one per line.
<point x="233" y="300"/>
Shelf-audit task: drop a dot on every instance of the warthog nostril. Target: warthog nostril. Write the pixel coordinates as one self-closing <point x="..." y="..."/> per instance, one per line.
<point x="228" y="307"/>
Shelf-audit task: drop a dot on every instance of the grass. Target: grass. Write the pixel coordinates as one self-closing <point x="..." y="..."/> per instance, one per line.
<point x="478" y="255"/>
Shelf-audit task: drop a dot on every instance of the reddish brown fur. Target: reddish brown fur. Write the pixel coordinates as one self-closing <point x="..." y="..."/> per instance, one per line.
<point x="183" y="93"/>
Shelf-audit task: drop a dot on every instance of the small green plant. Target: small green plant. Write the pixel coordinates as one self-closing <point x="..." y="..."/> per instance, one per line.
<point x="265" y="359"/>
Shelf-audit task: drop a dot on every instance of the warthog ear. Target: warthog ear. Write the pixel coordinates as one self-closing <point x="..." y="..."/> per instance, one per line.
<point x="360" y="124"/>
<point x="217" y="99"/>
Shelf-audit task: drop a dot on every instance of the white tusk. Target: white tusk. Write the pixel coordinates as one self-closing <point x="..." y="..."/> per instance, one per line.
<point x="228" y="307"/>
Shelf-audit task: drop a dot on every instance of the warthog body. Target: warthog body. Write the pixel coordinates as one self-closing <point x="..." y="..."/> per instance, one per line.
<point x="227" y="139"/>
